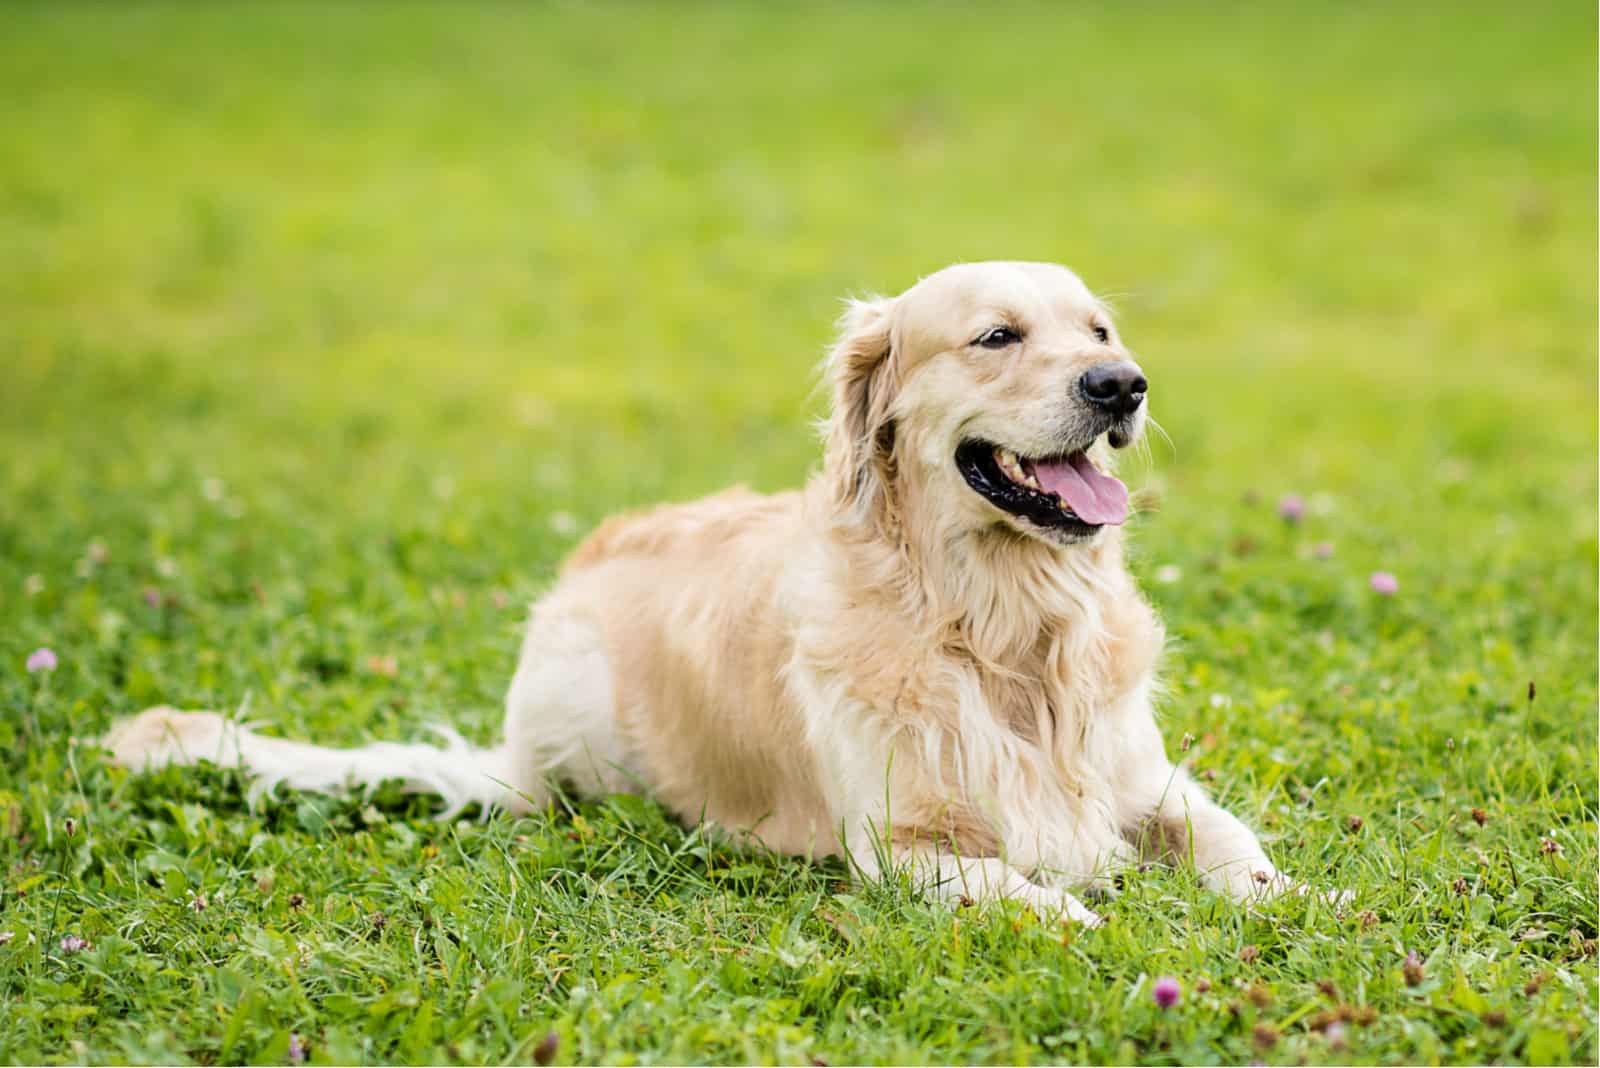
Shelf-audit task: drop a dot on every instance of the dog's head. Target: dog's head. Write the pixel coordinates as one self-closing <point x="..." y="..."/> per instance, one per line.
<point x="991" y="394"/>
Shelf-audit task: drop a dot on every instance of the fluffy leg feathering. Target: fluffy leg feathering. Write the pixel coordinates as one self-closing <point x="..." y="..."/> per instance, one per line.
<point x="455" y="771"/>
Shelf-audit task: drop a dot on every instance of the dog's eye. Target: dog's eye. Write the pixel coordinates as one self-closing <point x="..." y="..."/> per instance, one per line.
<point x="1101" y="334"/>
<point x="998" y="337"/>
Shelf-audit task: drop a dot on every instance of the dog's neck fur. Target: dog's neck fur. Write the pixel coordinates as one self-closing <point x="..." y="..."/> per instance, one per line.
<point x="1055" y="639"/>
<point x="1010" y="602"/>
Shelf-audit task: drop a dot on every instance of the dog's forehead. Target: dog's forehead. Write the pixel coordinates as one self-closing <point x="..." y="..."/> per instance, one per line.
<point x="952" y="295"/>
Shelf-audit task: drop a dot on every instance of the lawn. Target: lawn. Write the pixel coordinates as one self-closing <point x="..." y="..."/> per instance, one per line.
<point x="327" y="330"/>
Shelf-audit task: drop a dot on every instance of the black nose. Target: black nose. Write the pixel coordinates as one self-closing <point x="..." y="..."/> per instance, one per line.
<point x="1117" y="387"/>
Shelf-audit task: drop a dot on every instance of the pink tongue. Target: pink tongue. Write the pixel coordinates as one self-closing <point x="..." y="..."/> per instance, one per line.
<point x="1097" y="498"/>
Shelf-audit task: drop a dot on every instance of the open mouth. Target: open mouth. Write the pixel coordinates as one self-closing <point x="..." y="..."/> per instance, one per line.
<point x="1065" y="492"/>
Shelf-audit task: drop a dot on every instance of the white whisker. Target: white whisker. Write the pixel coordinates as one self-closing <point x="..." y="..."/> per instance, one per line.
<point x="1163" y="431"/>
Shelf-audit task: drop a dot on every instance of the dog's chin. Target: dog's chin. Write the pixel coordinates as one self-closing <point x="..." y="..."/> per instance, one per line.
<point x="1062" y="537"/>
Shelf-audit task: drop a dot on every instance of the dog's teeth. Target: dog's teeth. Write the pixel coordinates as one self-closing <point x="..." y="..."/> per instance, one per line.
<point x="1008" y="462"/>
<point x="1011" y="466"/>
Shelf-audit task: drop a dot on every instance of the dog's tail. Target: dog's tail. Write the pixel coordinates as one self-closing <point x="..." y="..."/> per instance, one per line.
<point x="456" y="771"/>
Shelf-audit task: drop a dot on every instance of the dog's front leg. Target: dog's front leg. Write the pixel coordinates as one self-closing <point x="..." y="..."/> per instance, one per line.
<point x="1187" y="823"/>
<point x="1181" y="820"/>
<point x="1167" y="812"/>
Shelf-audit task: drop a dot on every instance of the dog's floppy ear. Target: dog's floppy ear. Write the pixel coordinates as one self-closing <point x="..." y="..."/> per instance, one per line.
<point x="860" y="446"/>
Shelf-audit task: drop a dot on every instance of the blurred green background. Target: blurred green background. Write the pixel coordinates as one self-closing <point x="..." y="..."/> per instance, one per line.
<point x="326" y="329"/>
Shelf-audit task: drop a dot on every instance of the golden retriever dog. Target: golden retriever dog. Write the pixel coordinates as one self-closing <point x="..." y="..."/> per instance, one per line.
<point x="930" y="658"/>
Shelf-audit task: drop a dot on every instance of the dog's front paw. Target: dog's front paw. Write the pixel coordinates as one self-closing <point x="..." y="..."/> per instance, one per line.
<point x="1250" y="882"/>
<point x="1266" y="887"/>
<point x="1337" y="898"/>
<point x="1067" y="908"/>
<point x="1086" y="918"/>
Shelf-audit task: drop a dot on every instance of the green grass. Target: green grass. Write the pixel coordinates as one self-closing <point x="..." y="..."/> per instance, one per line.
<point x="325" y="331"/>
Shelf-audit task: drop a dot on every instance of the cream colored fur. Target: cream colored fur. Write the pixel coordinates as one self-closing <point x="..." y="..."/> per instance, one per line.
<point x="882" y="665"/>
